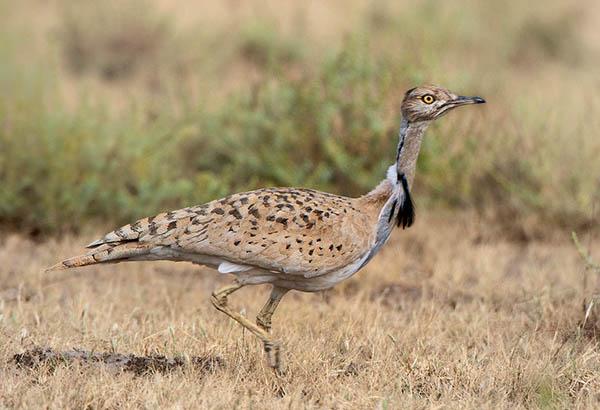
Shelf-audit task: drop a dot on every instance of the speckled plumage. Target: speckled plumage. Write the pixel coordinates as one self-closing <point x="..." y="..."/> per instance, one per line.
<point x="287" y="230"/>
<point x="293" y="238"/>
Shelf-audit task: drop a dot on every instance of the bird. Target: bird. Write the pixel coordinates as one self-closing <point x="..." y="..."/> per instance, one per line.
<point x="291" y="238"/>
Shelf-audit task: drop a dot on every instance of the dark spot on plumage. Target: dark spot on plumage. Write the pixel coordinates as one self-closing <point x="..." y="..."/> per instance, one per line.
<point x="254" y="228"/>
<point x="252" y="235"/>
<point x="298" y="202"/>
<point x="153" y="229"/>
<point x="326" y="214"/>
<point x="230" y="229"/>
<point x="309" y="225"/>
<point x="248" y="251"/>
<point x="119" y="232"/>
<point x="330" y="247"/>
<point x="271" y="218"/>
<point x="137" y="227"/>
<point x="300" y="249"/>
<point x="253" y="222"/>
<point x="236" y="213"/>
<point x="170" y="215"/>
<point x="339" y="247"/>
<point x="236" y="243"/>
<point x="308" y="209"/>
<point x="282" y="206"/>
<point x="151" y="219"/>
<point x="310" y="261"/>
<point x="288" y="246"/>
<point x="299" y="240"/>
<point x="264" y="245"/>
<point x="218" y="211"/>
<point x="172" y="225"/>
<point x="305" y="217"/>
<point x="244" y="200"/>
<point x="282" y="221"/>
<point x="311" y="252"/>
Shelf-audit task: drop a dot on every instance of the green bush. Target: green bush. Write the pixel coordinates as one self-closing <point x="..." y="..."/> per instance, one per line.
<point x="326" y="130"/>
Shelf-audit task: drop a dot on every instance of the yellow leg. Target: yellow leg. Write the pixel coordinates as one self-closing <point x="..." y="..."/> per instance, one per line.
<point x="219" y="301"/>
<point x="264" y="316"/>
<point x="263" y="320"/>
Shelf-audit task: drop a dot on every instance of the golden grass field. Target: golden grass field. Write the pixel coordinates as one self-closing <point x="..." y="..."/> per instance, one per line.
<point x="111" y="111"/>
<point x="444" y="317"/>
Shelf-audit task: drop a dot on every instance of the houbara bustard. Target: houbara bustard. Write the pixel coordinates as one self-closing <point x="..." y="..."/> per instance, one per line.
<point x="292" y="238"/>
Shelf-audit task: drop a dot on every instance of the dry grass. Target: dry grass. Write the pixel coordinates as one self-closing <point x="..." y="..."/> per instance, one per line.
<point x="445" y="316"/>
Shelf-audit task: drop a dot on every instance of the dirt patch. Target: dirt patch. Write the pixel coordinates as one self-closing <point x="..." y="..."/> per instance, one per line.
<point x="140" y="365"/>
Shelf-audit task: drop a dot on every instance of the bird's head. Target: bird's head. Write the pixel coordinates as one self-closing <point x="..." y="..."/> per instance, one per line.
<point x="426" y="103"/>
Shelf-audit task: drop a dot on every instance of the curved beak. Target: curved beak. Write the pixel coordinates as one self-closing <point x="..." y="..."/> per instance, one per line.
<point x="457" y="102"/>
<point x="462" y="100"/>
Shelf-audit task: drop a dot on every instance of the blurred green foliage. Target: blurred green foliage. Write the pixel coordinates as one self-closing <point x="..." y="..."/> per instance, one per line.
<point x="325" y="120"/>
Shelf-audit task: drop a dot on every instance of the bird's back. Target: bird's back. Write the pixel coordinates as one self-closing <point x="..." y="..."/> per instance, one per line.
<point x="288" y="230"/>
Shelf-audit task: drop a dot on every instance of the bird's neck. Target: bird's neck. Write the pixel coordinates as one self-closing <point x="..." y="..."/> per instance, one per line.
<point x="409" y="145"/>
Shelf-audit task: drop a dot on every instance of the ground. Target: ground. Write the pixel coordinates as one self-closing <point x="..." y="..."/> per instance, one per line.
<point x="445" y="315"/>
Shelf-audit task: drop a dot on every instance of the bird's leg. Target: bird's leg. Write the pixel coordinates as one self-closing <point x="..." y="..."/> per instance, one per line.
<point x="219" y="301"/>
<point x="263" y="320"/>
<point x="264" y="316"/>
<point x="219" y="297"/>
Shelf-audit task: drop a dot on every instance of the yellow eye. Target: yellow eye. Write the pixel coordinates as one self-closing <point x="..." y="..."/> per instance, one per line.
<point x="428" y="99"/>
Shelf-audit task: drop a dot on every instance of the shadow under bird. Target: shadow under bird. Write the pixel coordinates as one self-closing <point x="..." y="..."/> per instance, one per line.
<point x="291" y="238"/>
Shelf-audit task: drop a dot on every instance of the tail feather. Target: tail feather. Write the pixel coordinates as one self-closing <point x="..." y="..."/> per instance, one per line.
<point x="108" y="253"/>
